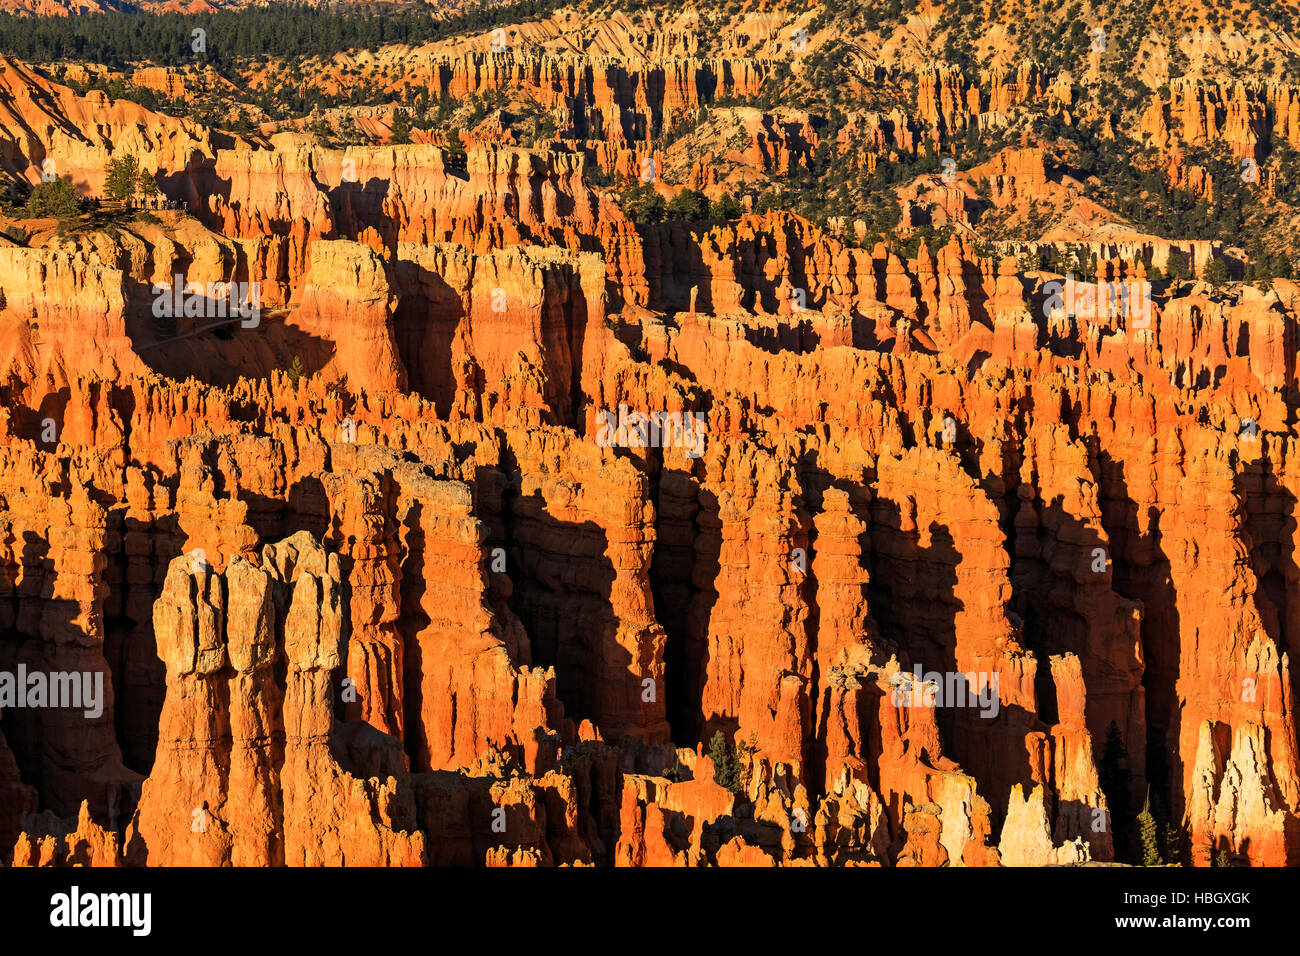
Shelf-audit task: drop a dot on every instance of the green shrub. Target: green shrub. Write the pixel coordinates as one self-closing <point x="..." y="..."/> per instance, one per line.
<point x="730" y="763"/>
<point x="53" y="200"/>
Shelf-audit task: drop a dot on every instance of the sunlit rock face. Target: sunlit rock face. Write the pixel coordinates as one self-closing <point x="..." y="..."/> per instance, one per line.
<point x="432" y="503"/>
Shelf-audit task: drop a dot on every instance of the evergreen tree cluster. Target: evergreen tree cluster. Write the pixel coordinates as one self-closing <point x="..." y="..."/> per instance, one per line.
<point x="730" y="763"/>
<point x="1148" y="838"/>
<point x="282" y="29"/>
<point x="645" y="205"/>
<point x="55" y="199"/>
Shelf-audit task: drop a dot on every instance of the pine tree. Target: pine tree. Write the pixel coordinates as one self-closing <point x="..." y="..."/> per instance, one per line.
<point x="1177" y="269"/>
<point x="146" y="188"/>
<point x="725" y="208"/>
<point x="1168" y="837"/>
<point x="123" y="180"/>
<point x="295" y="371"/>
<point x="1149" y="836"/>
<point x="401" y="128"/>
<point x="643" y="204"/>
<point x="56" y="200"/>
<point x="690" y="205"/>
<point x="724" y="761"/>
<point x="1115" y="779"/>
<point x="1215" y="273"/>
<point x="1148" y="839"/>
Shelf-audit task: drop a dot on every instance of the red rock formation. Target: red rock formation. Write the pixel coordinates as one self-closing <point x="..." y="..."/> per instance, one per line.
<point x="412" y="599"/>
<point x="248" y="772"/>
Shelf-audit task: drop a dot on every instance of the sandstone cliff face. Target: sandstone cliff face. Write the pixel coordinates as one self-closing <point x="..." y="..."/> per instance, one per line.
<point x="49" y="129"/>
<point x="39" y="329"/>
<point x="515" y="532"/>
<point x="619" y="98"/>
<point x="345" y="300"/>
<point x="18" y="798"/>
<point x="247" y="772"/>
<point x="804" y="555"/>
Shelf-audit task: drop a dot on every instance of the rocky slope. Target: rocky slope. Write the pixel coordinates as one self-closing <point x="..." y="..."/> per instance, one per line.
<point x="513" y="528"/>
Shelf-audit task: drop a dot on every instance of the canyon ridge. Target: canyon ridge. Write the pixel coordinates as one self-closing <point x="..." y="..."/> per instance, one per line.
<point x="608" y="434"/>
